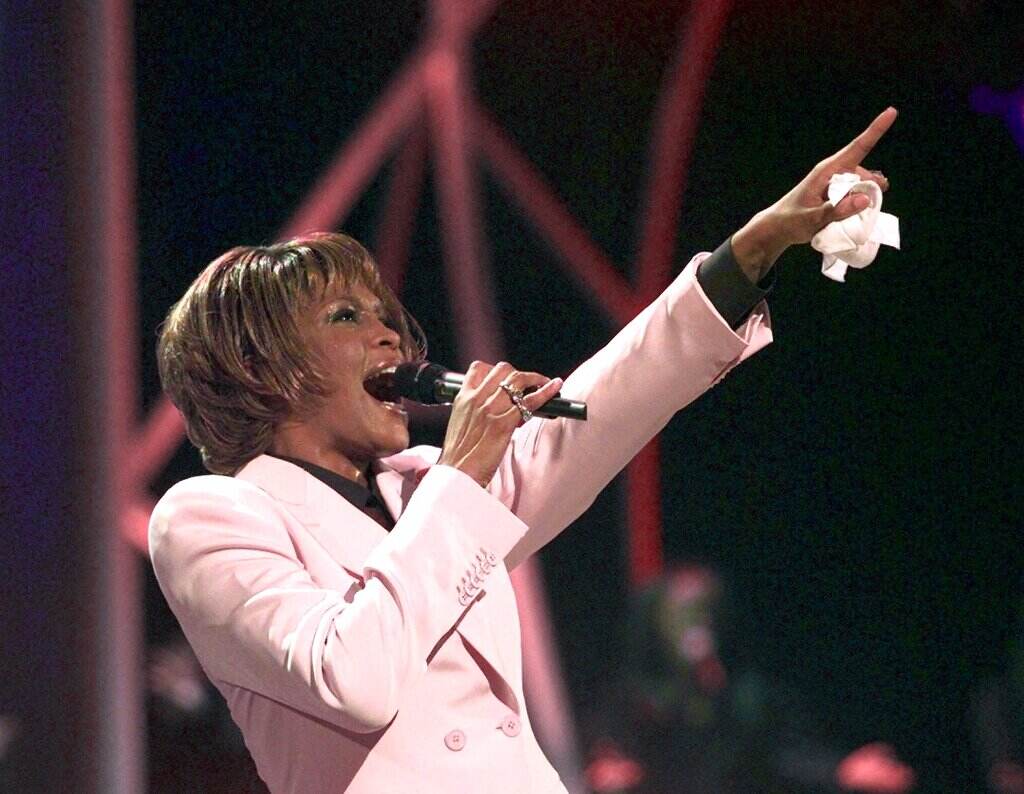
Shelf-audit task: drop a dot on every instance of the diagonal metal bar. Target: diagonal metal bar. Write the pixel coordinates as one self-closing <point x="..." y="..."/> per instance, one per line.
<point x="587" y="263"/>
<point x="135" y="522"/>
<point x="675" y="128"/>
<point x="154" y="443"/>
<point x="332" y="197"/>
<point x="398" y="220"/>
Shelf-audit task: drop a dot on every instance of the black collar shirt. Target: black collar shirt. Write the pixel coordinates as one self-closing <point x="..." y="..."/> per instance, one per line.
<point x="365" y="499"/>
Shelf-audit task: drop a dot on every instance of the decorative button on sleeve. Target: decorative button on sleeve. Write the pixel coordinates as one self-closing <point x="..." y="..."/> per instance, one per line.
<point x="473" y="578"/>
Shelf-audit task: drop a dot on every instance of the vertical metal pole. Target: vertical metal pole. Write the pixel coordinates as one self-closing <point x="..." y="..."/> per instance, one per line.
<point x="643" y="507"/>
<point x="465" y="258"/>
<point x="398" y="219"/>
<point x="111" y="728"/>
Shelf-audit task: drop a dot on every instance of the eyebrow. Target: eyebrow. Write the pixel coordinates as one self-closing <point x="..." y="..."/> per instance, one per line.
<point x="377" y="305"/>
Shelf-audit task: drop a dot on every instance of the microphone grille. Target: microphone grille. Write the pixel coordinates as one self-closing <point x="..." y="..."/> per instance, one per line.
<point x="416" y="380"/>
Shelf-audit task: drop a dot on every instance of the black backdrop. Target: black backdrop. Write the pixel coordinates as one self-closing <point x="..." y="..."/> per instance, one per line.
<point x="858" y="482"/>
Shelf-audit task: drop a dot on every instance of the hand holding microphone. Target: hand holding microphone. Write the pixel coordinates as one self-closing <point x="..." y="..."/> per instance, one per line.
<point x="489" y="403"/>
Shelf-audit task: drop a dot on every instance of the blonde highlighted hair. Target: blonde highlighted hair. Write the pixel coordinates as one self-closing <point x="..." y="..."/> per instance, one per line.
<point x="231" y="354"/>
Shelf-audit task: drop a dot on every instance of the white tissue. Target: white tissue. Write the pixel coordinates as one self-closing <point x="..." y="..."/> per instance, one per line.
<point x="854" y="242"/>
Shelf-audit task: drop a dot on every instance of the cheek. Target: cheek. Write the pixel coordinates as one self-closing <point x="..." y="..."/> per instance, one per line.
<point x="343" y="369"/>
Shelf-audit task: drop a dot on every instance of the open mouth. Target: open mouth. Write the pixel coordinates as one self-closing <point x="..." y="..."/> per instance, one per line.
<point x="381" y="386"/>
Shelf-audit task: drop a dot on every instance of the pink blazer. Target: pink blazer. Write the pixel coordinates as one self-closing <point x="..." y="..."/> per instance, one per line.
<point x="359" y="660"/>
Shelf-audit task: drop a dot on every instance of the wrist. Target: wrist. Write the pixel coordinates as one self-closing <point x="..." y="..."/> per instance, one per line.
<point x="758" y="245"/>
<point x="481" y="479"/>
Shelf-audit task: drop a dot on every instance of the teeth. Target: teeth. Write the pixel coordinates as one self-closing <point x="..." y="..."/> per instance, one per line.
<point x="382" y="371"/>
<point x="378" y="372"/>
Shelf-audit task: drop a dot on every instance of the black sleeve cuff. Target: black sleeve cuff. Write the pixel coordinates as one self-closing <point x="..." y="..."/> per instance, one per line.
<point x="728" y="288"/>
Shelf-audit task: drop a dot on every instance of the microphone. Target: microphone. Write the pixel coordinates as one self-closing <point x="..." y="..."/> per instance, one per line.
<point x="431" y="384"/>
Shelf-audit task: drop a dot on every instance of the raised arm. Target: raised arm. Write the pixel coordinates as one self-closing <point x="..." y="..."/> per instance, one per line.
<point x="671" y="353"/>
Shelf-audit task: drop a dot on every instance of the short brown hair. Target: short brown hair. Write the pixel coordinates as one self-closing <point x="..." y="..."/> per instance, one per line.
<point x="231" y="354"/>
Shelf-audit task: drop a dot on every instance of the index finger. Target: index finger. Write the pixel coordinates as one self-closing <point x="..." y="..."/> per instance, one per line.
<point x="477" y="371"/>
<point x="857" y="149"/>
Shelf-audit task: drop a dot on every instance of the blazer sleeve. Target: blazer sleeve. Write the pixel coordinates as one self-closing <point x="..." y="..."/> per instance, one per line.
<point x="224" y="556"/>
<point x="667" y="356"/>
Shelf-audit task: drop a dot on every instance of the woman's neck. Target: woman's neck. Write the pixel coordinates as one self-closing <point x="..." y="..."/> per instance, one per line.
<point x="294" y="443"/>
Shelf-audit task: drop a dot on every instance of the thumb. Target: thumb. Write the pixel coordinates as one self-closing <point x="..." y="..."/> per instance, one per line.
<point x="825" y="213"/>
<point x="813" y="219"/>
<point x="851" y="204"/>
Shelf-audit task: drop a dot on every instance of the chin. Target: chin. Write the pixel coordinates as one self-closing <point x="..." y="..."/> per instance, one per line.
<point x="394" y="444"/>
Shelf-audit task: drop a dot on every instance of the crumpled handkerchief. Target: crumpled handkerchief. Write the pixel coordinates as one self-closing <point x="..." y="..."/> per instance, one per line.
<point x="854" y="242"/>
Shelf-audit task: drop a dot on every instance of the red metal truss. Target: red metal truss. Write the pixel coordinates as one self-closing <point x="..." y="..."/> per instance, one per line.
<point x="429" y="107"/>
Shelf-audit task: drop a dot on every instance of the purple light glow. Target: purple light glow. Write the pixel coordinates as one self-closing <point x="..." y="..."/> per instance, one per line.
<point x="1009" y="105"/>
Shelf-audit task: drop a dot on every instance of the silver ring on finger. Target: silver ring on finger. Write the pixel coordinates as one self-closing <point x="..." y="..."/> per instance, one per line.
<point x="512" y="391"/>
<point x="516" y="396"/>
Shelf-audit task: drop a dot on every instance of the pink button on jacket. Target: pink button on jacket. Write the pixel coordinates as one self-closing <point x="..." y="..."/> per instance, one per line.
<point x="351" y="656"/>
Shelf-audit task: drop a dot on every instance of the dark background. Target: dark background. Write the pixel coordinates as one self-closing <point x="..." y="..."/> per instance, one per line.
<point x="857" y="483"/>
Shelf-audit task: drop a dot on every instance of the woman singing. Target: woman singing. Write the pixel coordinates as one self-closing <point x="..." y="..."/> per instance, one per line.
<point x="350" y="597"/>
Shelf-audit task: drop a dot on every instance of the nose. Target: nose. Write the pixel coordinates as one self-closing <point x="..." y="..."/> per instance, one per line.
<point x="384" y="335"/>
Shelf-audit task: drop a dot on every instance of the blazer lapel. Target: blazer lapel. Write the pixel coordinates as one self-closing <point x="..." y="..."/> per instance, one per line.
<point x="348" y="534"/>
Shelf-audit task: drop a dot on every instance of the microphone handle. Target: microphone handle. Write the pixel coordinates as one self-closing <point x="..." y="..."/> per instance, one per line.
<point x="447" y="387"/>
